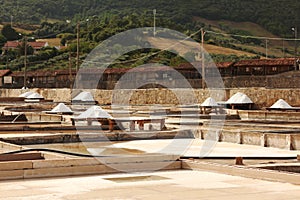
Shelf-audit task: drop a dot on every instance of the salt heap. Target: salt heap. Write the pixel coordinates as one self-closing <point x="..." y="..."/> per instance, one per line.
<point x="94" y="112"/>
<point x="26" y="94"/>
<point x="84" y="97"/>
<point x="61" y="108"/>
<point x="209" y="102"/>
<point x="239" y="98"/>
<point x="281" y="104"/>
<point x="35" y="96"/>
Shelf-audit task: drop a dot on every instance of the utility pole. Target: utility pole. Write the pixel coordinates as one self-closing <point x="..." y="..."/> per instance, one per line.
<point x="70" y="70"/>
<point x="283" y="50"/>
<point x="11" y="20"/>
<point x="77" y="56"/>
<point x="266" y="49"/>
<point x="154" y="22"/>
<point x="295" y="43"/>
<point x="25" y="61"/>
<point x="202" y="58"/>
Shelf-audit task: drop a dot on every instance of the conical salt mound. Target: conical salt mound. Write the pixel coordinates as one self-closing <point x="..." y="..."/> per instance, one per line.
<point x="239" y="98"/>
<point x="281" y="104"/>
<point x="94" y="112"/>
<point x="26" y="94"/>
<point x="61" y="108"/>
<point x="35" y="96"/>
<point x="209" y="102"/>
<point x="84" y="96"/>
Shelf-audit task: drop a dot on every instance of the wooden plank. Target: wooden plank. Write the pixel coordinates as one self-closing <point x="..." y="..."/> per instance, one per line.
<point x="21" y="156"/>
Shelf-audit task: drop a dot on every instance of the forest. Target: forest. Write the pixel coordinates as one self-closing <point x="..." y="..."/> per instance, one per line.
<point x="277" y="16"/>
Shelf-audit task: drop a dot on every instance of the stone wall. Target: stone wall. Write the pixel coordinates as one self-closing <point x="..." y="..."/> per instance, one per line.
<point x="285" y="80"/>
<point x="262" y="97"/>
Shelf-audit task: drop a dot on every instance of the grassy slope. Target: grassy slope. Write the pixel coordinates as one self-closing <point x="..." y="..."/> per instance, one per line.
<point x="51" y="41"/>
<point x="254" y="29"/>
<point x="184" y="48"/>
<point x="274" y="46"/>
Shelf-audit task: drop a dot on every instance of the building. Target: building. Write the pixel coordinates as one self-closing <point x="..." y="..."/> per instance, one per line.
<point x="13" y="45"/>
<point x="5" y="77"/>
<point x="245" y="73"/>
<point x="263" y="66"/>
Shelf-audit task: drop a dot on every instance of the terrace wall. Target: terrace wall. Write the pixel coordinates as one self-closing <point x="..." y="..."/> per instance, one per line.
<point x="262" y="97"/>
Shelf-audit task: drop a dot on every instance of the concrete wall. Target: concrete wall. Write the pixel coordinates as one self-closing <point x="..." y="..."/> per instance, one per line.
<point x="36" y="117"/>
<point x="262" y="97"/>
<point x="81" y="166"/>
<point x="276" y="140"/>
<point x="269" y="115"/>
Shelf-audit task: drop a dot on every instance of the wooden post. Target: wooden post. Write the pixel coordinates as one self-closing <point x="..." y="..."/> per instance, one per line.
<point x="141" y="125"/>
<point x="111" y="124"/>
<point x="239" y="161"/>
<point x="202" y="58"/>
<point x="77" y="56"/>
<point x="89" y="122"/>
<point x="25" y="61"/>
<point x="70" y="70"/>
<point x="162" y="124"/>
<point x="132" y="125"/>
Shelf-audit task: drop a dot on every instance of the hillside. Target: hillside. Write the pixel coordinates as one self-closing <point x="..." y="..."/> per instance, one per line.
<point x="233" y="27"/>
<point x="212" y="49"/>
<point x="276" y="16"/>
<point x="274" y="48"/>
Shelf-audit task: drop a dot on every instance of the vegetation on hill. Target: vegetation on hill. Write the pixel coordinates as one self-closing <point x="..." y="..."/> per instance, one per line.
<point x="277" y="16"/>
<point x="100" y="19"/>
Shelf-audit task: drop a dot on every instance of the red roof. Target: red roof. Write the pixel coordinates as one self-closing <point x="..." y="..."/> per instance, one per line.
<point x="265" y="62"/>
<point x="15" y="44"/>
<point x="224" y="64"/>
<point x="188" y="66"/>
<point x="37" y="45"/>
<point x="11" y="44"/>
<point x="4" y="72"/>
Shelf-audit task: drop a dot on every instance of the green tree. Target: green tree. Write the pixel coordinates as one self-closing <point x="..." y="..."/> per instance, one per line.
<point x="21" y="48"/>
<point x="2" y="40"/>
<point x="9" y="33"/>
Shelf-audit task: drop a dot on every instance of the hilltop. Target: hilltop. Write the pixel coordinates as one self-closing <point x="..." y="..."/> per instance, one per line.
<point x="276" y="16"/>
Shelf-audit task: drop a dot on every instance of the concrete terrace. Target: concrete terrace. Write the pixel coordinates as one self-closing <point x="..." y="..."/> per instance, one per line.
<point x="156" y="185"/>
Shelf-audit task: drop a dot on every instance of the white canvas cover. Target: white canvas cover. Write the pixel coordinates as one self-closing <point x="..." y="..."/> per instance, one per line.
<point x="209" y="102"/>
<point x="239" y="98"/>
<point x="35" y="96"/>
<point x="281" y="104"/>
<point x="94" y="112"/>
<point x="61" y="108"/>
<point x="26" y="94"/>
<point x="84" y="96"/>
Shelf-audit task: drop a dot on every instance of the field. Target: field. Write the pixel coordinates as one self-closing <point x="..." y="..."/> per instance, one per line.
<point x="274" y="47"/>
<point x="184" y="48"/>
<point x="51" y="41"/>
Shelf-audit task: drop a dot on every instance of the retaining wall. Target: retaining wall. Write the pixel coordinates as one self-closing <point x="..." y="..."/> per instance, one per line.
<point x="262" y="97"/>
<point x="85" y="166"/>
<point x="276" y="140"/>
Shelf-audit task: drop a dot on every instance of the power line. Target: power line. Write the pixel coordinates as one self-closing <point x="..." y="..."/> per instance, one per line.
<point x="251" y="36"/>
